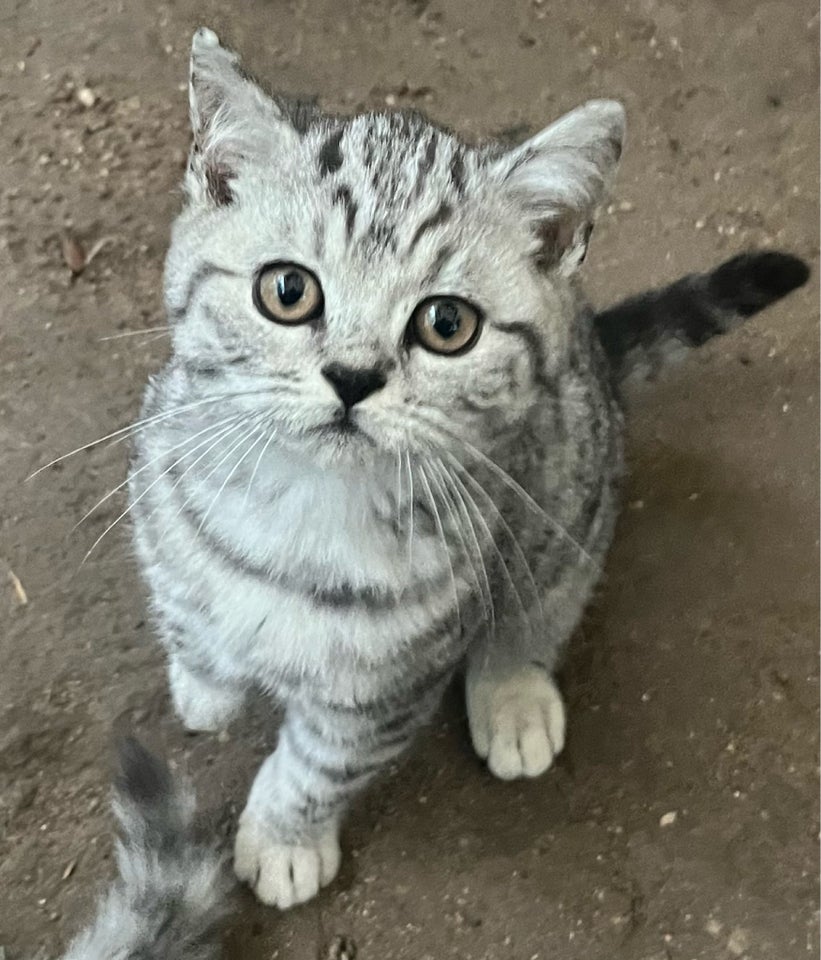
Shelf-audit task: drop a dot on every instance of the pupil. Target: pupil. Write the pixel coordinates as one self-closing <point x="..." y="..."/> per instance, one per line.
<point x="446" y="320"/>
<point x="290" y="288"/>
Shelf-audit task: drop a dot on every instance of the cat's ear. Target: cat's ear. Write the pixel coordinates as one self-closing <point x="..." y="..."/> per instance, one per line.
<point x="561" y="175"/>
<point x="232" y="119"/>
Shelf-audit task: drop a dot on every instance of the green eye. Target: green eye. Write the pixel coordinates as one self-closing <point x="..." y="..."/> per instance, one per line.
<point x="287" y="293"/>
<point x="446" y="325"/>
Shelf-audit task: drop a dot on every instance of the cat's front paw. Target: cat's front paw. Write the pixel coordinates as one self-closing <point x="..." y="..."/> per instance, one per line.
<point x="516" y="723"/>
<point x="283" y="874"/>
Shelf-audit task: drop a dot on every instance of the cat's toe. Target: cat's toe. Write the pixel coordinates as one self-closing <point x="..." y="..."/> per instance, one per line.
<point x="283" y="874"/>
<point x="517" y="723"/>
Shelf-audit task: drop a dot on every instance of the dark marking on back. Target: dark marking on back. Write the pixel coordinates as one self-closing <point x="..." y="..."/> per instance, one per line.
<point x="436" y="219"/>
<point x="330" y="154"/>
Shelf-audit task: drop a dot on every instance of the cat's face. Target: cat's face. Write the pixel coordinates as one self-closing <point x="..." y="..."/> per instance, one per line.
<point x="389" y="287"/>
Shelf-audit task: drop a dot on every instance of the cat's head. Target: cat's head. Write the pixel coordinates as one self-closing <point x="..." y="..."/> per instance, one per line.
<point x="386" y="287"/>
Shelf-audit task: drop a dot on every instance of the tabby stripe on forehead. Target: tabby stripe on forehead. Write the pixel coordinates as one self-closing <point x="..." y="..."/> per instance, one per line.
<point x="436" y="219"/>
<point x="426" y="164"/>
<point x="201" y="275"/>
<point x="343" y="198"/>
<point x="330" y="154"/>
<point x="457" y="171"/>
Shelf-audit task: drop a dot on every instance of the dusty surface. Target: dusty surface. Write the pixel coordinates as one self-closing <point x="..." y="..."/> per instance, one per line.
<point x="692" y="687"/>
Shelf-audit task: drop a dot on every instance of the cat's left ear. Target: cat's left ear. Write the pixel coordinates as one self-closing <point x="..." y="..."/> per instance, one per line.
<point x="232" y="120"/>
<point x="560" y="176"/>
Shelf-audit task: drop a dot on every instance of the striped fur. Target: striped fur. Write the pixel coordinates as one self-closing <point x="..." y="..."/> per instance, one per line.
<point x="643" y="334"/>
<point x="169" y="897"/>
<point x="465" y="521"/>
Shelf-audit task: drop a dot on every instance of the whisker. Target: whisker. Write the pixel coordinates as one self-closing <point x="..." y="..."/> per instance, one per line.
<point x="513" y="485"/>
<point x="398" y="493"/>
<point x="150" y="487"/>
<point x="162" y="331"/>
<point x="145" y="466"/>
<point x="441" y="531"/>
<point x="497" y="550"/>
<point x="506" y="526"/>
<point x="247" y="435"/>
<point x="225" y="433"/>
<point x="251" y="479"/>
<point x="411" y="507"/>
<point x="123" y="433"/>
<point x="464" y="520"/>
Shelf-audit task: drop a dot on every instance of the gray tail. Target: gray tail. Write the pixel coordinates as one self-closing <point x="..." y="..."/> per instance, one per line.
<point x="641" y="334"/>
<point x="169" y="898"/>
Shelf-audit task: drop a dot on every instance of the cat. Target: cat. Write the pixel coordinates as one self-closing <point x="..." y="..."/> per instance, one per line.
<point x="388" y="443"/>
<point x="171" y="893"/>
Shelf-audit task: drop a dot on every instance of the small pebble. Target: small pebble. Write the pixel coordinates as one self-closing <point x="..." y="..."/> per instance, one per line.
<point x="739" y="941"/>
<point x="668" y="819"/>
<point x="87" y="97"/>
<point x="713" y="927"/>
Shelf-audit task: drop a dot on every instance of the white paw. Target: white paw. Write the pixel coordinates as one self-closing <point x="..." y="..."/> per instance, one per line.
<point x="283" y="874"/>
<point x="517" y="724"/>
<point x="201" y="706"/>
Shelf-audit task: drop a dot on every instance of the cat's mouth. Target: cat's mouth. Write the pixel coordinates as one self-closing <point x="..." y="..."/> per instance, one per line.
<point x="344" y="430"/>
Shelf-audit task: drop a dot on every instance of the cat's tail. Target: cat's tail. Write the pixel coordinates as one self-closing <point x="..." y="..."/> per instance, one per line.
<point x="169" y="898"/>
<point x="645" y="332"/>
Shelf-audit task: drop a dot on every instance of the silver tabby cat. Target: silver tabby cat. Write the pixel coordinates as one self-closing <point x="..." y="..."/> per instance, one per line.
<point x="387" y="442"/>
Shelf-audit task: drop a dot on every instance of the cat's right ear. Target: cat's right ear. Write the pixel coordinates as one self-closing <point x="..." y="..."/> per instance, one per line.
<point x="560" y="176"/>
<point x="232" y="120"/>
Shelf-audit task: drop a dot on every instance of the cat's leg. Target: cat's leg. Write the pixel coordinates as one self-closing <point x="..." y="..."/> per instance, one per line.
<point x="287" y="845"/>
<point x="516" y="716"/>
<point x="201" y="700"/>
<point x="515" y="710"/>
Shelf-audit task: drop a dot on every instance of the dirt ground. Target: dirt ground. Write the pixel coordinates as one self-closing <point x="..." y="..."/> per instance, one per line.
<point x="681" y="822"/>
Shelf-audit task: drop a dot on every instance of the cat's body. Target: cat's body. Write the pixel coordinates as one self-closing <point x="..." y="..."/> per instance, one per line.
<point x="342" y="512"/>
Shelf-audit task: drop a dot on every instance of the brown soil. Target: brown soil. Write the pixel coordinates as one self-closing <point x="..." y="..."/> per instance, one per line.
<point x="692" y="687"/>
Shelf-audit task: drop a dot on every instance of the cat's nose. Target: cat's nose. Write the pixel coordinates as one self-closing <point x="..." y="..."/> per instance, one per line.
<point x="353" y="384"/>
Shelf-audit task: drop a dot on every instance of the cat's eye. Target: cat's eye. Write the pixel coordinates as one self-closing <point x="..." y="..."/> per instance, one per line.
<point x="287" y="293"/>
<point x="445" y="325"/>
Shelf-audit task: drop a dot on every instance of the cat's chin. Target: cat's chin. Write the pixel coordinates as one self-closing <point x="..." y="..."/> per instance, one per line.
<point x="341" y="443"/>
